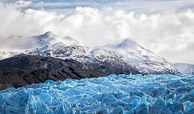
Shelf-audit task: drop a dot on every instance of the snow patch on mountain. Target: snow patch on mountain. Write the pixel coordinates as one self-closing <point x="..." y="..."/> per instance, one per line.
<point x="103" y="55"/>
<point x="59" y="50"/>
<point x="140" y="58"/>
<point x="84" y="55"/>
<point x="184" y="67"/>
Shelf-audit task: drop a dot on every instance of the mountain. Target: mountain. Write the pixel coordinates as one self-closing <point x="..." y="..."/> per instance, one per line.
<point x="98" y="59"/>
<point x="33" y="42"/>
<point x="126" y="57"/>
<point x="35" y="62"/>
<point x="10" y="77"/>
<point x="26" y="44"/>
<point x="30" y="62"/>
<point x="140" y="58"/>
<point x="49" y="39"/>
<point x="184" y="67"/>
<point x="50" y="45"/>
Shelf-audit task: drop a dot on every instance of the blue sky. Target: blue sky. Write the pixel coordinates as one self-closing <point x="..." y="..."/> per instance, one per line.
<point x="146" y="6"/>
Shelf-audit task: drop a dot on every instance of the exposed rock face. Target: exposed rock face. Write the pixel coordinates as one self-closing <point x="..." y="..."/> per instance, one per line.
<point x="29" y="62"/>
<point x="18" y="78"/>
<point x="35" y="62"/>
<point x="23" y="70"/>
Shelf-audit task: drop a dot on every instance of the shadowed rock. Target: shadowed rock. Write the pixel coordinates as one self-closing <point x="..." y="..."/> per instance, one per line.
<point x="18" y="78"/>
<point x="35" y="62"/>
<point x="23" y="70"/>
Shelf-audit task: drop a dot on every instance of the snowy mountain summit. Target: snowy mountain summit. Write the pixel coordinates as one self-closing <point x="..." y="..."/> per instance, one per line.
<point x="22" y="44"/>
<point x="49" y="39"/>
<point x="126" y="44"/>
<point x="140" y="58"/>
<point x="38" y="41"/>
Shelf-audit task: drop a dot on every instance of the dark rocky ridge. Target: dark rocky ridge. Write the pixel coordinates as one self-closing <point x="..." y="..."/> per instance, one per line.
<point x="36" y="62"/>
<point x="23" y="70"/>
<point x="18" y="78"/>
<point x="29" y="62"/>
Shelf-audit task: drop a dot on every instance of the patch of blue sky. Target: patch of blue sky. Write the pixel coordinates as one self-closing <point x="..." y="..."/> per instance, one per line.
<point x="142" y="6"/>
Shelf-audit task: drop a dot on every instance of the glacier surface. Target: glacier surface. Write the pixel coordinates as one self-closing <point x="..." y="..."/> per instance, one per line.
<point x="116" y="94"/>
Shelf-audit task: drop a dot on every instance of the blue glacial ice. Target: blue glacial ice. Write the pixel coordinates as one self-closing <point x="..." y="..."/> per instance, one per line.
<point x="116" y="94"/>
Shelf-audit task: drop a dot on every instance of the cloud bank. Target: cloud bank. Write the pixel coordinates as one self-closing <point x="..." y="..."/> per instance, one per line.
<point x="169" y="34"/>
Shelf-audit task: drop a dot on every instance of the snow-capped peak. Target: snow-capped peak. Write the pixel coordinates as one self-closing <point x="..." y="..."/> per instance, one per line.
<point x="48" y="34"/>
<point x="45" y="39"/>
<point x="68" y="41"/>
<point x="140" y="58"/>
<point x="127" y="43"/>
<point x="51" y="39"/>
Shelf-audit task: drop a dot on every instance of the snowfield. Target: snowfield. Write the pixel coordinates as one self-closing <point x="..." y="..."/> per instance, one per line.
<point x="184" y="67"/>
<point x="117" y="94"/>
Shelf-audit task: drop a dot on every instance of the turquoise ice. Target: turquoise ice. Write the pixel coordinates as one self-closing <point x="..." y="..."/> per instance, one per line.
<point x="117" y="94"/>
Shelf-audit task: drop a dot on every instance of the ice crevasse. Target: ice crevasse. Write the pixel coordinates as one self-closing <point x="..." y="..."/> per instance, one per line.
<point x="116" y="94"/>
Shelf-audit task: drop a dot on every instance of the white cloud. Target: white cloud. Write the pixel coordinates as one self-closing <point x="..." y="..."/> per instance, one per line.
<point x="22" y="3"/>
<point x="169" y="34"/>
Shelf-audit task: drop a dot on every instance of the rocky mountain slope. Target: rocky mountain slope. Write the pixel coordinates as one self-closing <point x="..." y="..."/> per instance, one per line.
<point x="35" y="62"/>
<point x="23" y="70"/>
<point x="185" y="68"/>
<point x="10" y="77"/>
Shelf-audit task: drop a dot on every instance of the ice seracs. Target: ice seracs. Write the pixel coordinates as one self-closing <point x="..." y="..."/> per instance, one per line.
<point x="113" y="94"/>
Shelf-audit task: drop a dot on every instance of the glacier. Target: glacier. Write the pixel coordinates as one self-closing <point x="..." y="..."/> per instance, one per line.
<point x="116" y="94"/>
